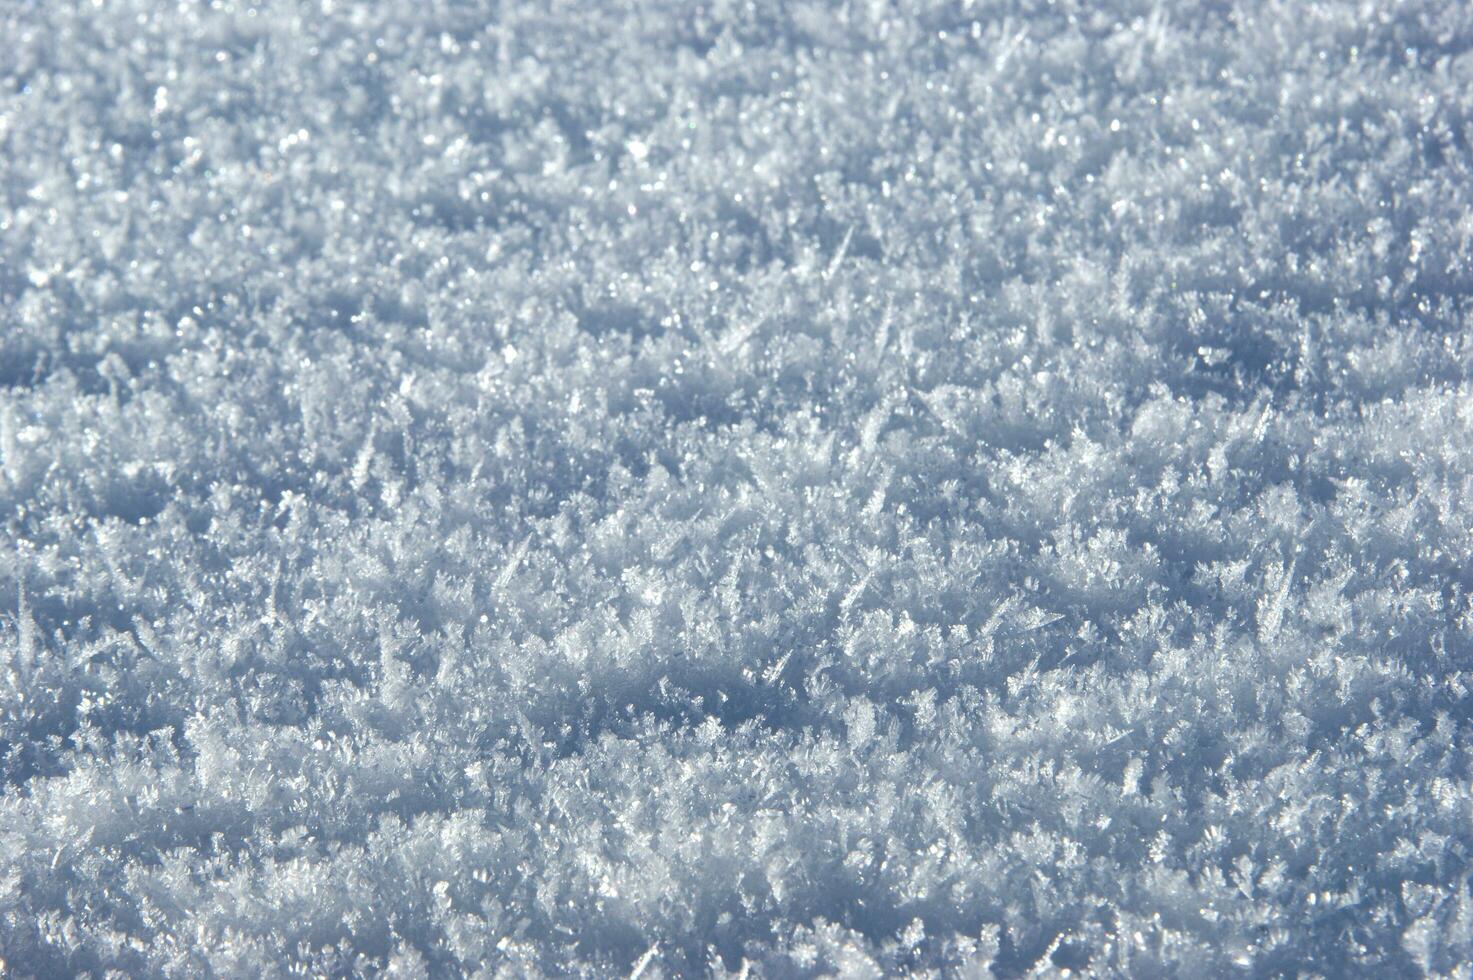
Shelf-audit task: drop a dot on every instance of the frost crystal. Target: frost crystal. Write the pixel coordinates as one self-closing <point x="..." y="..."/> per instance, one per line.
<point x="740" y="489"/>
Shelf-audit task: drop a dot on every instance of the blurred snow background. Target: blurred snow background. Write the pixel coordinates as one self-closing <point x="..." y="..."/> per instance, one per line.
<point x="737" y="488"/>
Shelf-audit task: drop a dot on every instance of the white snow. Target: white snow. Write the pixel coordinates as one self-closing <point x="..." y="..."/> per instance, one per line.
<point x="745" y="489"/>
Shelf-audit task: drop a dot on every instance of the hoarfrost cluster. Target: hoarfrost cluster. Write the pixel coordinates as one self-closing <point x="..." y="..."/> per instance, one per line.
<point x="736" y="488"/>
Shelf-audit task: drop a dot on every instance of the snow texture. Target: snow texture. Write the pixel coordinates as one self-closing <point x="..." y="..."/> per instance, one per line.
<point x="736" y="488"/>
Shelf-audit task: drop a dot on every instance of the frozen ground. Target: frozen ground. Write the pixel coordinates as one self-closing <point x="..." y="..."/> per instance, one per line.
<point x="745" y="488"/>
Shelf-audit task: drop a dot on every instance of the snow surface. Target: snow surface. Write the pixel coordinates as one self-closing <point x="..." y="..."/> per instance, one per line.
<point x="737" y="488"/>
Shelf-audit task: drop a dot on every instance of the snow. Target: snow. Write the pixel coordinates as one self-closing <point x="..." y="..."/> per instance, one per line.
<point x="736" y="489"/>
